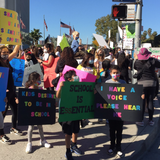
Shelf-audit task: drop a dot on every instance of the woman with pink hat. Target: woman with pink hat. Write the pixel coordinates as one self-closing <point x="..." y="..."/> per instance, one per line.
<point x="145" y="66"/>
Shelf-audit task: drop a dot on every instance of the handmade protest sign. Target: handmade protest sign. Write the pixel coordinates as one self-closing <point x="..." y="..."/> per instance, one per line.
<point x="77" y="101"/>
<point x="29" y="70"/>
<point x="36" y="107"/>
<point x="119" y="102"/>
<point x="18" y="70"/>
<point x="49" y="74"/>
<point x="9" y="27"/>
<point x="101" y="41"/>
<point x="3" y="86"/>
<point x="83" y="76"/>
<point x="64" y="43"/>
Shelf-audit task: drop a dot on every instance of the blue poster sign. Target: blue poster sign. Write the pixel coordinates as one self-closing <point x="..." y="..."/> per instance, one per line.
<point x="3" y="86"/>
<point x="18" y="66"/>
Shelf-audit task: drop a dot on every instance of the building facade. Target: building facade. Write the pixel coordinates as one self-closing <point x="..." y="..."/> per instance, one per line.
<point x="22" y="7"/>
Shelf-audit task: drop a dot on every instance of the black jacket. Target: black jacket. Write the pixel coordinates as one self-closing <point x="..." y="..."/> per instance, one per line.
<point x="148" y="72"/>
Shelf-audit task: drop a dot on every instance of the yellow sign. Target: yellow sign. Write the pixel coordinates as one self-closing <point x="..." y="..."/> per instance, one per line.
<point x="95" y="42"/>
<point x="9" y="27"/>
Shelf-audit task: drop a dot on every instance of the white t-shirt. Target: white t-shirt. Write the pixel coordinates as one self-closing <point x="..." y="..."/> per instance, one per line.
<point x="100" y="63"/>
<point x="57" y="54"/>
<point x="46" y="56"/>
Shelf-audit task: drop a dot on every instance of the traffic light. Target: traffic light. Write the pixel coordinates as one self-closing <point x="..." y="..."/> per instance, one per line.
<point x="119" y="11"/>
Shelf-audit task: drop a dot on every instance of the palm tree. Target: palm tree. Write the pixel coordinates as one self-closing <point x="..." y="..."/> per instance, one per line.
<point x="36" y="35"/>
<point x="149" y="32"/>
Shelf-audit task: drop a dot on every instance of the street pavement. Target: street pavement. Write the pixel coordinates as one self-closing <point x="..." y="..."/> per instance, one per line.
<point x="93" y="140"/>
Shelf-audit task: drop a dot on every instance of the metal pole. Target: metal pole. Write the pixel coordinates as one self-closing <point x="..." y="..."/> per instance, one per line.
<point x="137" y="32"/>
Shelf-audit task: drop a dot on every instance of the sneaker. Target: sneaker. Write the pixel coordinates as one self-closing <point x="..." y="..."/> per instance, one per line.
<point x="29" y="148"/>
<point x="90" y="123"/>
<point x="16" y="131"/>
<point x="120" y="154"/>
<point x="140" y="124"/>
<point x="4" y="139"/>
<point x="110" y="151"/>
<point x="76" y="150"/>
<point x="45" y="144"/>
<point x="151" y="123"/>
<point x="69" y="156"/>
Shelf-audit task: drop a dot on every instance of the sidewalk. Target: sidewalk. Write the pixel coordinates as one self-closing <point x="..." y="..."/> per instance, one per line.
<point x="93" y="140"/>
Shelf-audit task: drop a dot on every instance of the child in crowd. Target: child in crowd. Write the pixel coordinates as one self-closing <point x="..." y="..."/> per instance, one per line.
<point x="115" y="125"/>
<point x="28" y="59"/>
<point x="32" y="83"/>
<point x="70" y="128"/>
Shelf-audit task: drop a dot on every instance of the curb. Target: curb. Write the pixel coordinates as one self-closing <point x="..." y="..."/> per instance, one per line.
<point x="148" y="142"/>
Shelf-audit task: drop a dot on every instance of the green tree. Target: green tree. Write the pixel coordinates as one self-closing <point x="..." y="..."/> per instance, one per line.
<point x="26" y="38"/>
<point x="149" y="32"/>
<point x="36" y="35"/>
<point x="144" y="36"/>
<point x="106" y="23"/>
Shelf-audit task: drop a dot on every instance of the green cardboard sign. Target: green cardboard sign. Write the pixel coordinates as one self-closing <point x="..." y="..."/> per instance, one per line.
<point x="130" y="30"/>
<point x="77" y="101"/>
<point x="64" y="43"/>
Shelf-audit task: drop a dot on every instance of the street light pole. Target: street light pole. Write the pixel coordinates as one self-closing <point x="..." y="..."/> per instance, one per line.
<point x="137" y="32"/>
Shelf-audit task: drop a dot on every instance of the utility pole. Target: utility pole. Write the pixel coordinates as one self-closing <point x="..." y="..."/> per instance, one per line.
<point x="137" y="32"/>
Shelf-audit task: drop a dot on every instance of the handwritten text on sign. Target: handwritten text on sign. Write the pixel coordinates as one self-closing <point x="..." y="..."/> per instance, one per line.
<point x="38" y="106"/>
<point x="118" y="102"/>
<point x="77" y="101"/>
<point x="9" y="27"/>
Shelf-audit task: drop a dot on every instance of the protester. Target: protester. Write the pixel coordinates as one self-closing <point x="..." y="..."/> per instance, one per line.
<point x="5" y="57"/>
<point x="58" y="51"/>
<point x="70" y="128"/>
<point x="45" y="54"/>
<point x="67" y="58"/>
<point x="33" y="83"/>
<point x="81" y="52"/>
<point x="34" y="51"/>
<point x="28" y="59"/>
<point x="75" y="43"/>
<point x="99" y="58"/>
<point x="87" y="65"/>
<point x="115" y="125"/>
<point x="145" y="66"/>
<point x="124" y="65"/>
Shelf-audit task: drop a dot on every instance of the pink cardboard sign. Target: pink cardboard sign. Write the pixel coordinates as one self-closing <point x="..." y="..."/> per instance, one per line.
<point x="83" y="76"/>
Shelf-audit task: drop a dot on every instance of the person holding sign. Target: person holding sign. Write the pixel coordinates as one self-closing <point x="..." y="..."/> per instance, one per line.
<point x="114" y="125"/>
<point x="32" y="83"/>
<point x="70" y="128"/>
<point x="5" y="57"/>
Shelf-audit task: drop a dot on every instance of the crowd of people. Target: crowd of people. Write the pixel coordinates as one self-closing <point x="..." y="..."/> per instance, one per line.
<point x="108" y="65"/>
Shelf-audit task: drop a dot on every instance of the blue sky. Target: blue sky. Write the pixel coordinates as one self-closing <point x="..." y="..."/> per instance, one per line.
<point x="83" y="15"/>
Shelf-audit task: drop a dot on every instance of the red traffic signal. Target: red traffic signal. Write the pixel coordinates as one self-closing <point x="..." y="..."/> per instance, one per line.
<point x="119" y="11"/>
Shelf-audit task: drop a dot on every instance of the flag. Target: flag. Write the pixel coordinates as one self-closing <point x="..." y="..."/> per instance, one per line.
<point x="45" y="25"/>
<point x="120" y="32"/>
<point x="66" y="35"/>
<point x="64" y="25"/>
<point x="22" y="24"/>
<point x="70" y="31"/>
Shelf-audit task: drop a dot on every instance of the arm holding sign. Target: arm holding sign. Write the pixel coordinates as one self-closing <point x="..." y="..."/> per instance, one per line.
<point x="58" y="94"/>
<point x="14" y="53"/>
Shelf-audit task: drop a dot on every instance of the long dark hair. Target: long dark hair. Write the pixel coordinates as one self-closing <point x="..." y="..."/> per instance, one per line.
<point x="121" y="59"/>
<point x="34" y="51"/>
<point x="86" y="58"/>
<point x="50" y="46"/>
<point x="67" y="57"/>
<point x="106" y="65"/>
<point x="32" y="77"/>
<point x="1" y="60"/>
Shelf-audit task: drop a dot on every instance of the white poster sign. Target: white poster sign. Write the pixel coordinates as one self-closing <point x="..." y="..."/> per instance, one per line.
<point x="127" y="42"/>
<point x="101" y="41"/>
<point x="29" y="70"/>
<point x="59" y="39"/>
